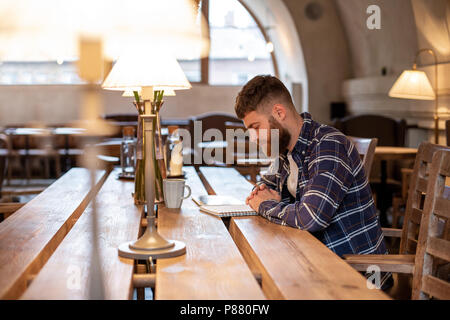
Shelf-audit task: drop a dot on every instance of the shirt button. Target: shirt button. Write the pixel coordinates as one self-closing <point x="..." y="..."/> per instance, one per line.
<point x="303" y="152"/>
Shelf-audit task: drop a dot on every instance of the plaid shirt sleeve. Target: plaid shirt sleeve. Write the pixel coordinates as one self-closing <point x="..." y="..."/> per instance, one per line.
<point x="270" y="178"/>
<point x="330" y="177"/>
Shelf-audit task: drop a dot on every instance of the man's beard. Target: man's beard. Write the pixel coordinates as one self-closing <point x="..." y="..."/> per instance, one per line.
<point x="284" y="137"/>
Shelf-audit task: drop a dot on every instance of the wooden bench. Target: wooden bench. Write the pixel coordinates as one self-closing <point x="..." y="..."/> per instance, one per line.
<point x="30" y="236"/>
<point x="212" y="267"/>
<point x="293" y="264"/>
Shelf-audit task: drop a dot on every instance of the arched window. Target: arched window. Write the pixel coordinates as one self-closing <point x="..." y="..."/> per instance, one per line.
<point x="240" y="50"/>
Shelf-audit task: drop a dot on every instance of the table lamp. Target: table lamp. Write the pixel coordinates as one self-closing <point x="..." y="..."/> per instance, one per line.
<point x="148" y="69"/>
<point x="414" y="84"/>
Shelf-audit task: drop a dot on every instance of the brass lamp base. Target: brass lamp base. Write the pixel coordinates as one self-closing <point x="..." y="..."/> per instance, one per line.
<point x="178" y="249"/>
<point x="151" y="244"/>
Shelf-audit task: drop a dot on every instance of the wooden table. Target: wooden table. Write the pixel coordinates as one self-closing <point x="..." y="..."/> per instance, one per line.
<point x="45" y="247"/>
<point x="292" y="263"/>
<point x="395" y="153"/>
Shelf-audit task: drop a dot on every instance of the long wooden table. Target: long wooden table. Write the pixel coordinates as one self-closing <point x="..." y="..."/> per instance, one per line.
<point x="45" y="247"/>
<point x="293" y="263"/>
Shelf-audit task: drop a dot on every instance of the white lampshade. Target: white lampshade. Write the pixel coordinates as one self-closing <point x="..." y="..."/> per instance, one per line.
<point x="146" y="68"/>
<point x="413" y="84"/>
<point x="167" y="92"/>
<point x="42" y="30"/>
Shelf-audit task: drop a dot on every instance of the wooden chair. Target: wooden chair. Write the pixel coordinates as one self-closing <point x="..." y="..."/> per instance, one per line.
<point x="431" y="273"/>
<point x="211" y="120"/>
<point x="7" y="209"/>
<point x="399" y="200"/>
<point x="32" y="147"/>
<point x="3" y="158"/>
<point x="404" y="261"/>
<point x="366" y="148"/>
<point x="389" y="132"/>
<point x="447" y="131"/>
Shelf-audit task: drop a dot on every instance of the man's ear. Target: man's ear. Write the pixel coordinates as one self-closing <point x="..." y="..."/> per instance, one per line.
<point x="279" y="112"/>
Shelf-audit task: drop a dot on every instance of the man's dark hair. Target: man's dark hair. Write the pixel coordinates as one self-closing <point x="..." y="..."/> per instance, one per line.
<point x="260" y="90"/>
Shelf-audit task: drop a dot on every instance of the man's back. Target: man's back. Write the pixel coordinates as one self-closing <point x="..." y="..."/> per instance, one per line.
<point x="333" y="199"/>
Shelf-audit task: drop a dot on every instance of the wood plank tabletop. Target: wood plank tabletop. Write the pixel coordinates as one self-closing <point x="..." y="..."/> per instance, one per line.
<point x="293" y="264"/>
<point x="394" y="153"/>
<point x="66" y="274"/>
<point x="227" y="181"/>
<point x="30" y="236"/>
<point x="212" y="267"/>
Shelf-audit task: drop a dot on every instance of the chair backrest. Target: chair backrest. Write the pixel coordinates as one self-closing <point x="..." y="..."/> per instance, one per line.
<point x="417" y="191"/>
<point x="447" y="131"/>
<point x="4" y="144"/>
<point x="122" y="117"/>
<point x="366" y="148"/>
<point x="211" y="120"/>
<point x="433" y="251"/>
<point x="214" y="120"/>
<point x="390" y="132"/>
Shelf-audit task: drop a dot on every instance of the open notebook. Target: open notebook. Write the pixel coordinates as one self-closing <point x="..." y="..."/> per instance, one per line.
<point x="223" y="206"/>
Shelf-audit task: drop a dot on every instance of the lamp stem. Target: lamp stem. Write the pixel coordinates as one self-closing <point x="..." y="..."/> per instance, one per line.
<point x="436" y="104"/>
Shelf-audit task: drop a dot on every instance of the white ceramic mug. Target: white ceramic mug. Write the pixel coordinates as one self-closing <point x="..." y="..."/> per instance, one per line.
<point x="174" y="192"/>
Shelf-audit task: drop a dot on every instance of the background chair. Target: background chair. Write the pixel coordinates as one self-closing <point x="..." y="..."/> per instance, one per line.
<point x="389" y="132"/>
<point x="3" y="159"/>
<point x="212" y="120"/>
<point x="366" y="148"/>
<point x="409" y="234"/>
<point x="431" y="273"/>
<point x="6" y="209"/>
<point x="399" y="200"/>
<point x="447" y="131"/>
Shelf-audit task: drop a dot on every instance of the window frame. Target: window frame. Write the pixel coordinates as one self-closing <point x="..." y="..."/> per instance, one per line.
<point x="204" y="62"/>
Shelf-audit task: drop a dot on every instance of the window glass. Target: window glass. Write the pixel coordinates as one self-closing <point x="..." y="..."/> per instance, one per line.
<point x="51" y="72"/>
<point x="238" y="48"/>
<point x="238" y="53"/>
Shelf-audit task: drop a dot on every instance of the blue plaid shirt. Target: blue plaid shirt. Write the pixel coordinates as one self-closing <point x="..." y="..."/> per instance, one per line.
<point x="333" y="199"/>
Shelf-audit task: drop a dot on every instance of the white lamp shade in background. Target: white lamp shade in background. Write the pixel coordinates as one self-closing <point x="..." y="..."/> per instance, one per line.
<point x="146" y="68"/>
<point x="413" y="84"/>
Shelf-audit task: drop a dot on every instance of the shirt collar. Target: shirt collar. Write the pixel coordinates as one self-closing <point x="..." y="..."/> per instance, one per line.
<point x="303" y="138"/>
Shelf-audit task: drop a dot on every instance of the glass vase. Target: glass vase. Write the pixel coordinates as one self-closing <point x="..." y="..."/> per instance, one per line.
<point x="139" y="178"/>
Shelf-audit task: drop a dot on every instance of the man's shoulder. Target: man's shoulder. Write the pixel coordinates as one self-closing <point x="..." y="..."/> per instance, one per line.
<point x="323" y="133"/>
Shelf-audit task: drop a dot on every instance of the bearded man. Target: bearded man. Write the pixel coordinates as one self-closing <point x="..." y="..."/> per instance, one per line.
<point x="320" y="184"/>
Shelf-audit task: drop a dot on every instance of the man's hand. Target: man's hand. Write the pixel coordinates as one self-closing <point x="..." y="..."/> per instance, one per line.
<point x="255" y="191"/>
<point x="262" y="194"/>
